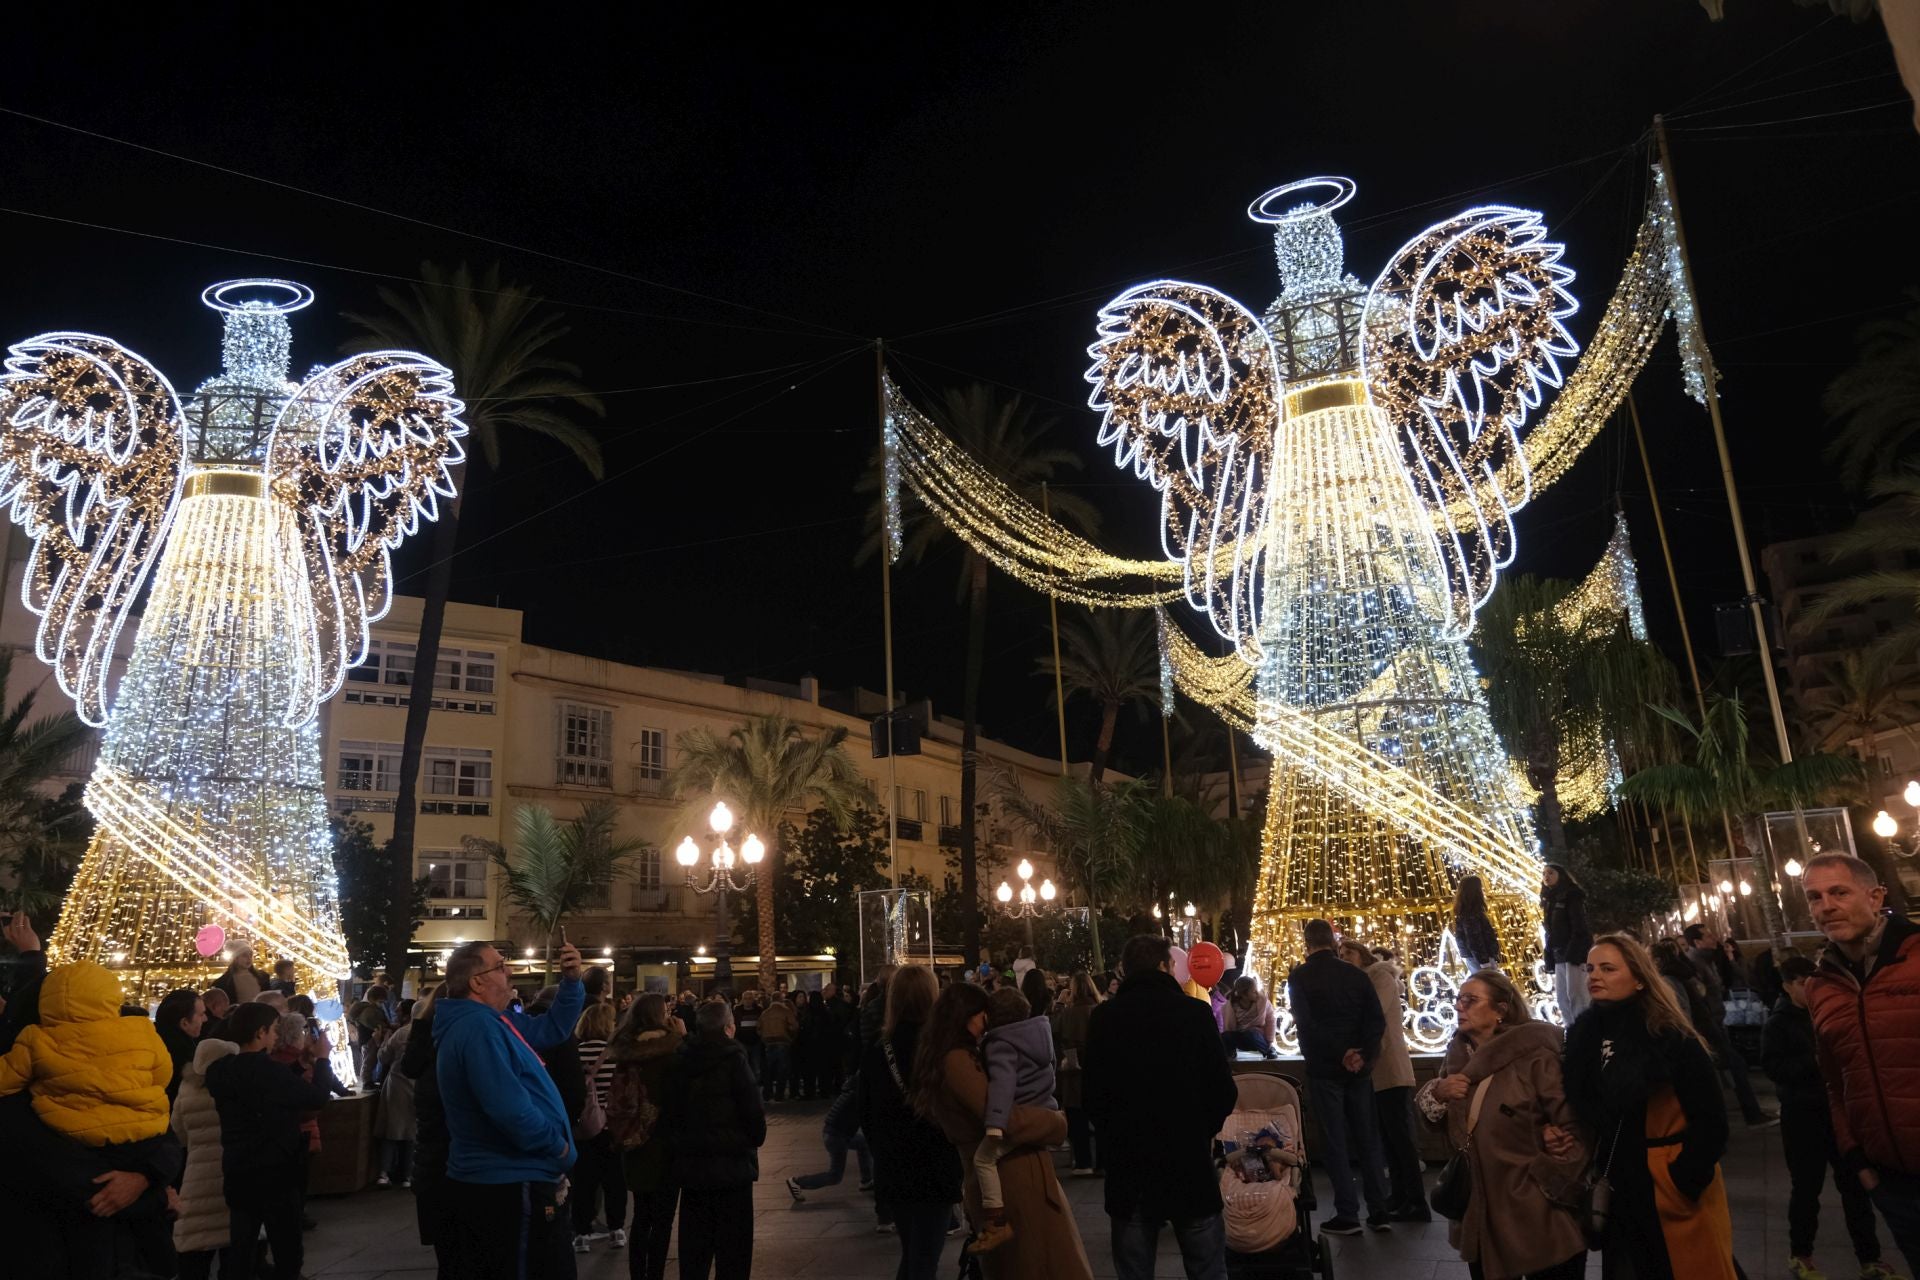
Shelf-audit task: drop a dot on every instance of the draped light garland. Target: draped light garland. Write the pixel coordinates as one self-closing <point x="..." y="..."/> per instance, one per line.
<point x="1589" y="764"/>
<point x="1696" y="364"/>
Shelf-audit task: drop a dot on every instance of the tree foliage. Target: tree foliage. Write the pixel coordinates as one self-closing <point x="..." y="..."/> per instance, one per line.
<point x="817" y="886"/>
<point x="1875" y="402"/>
<point x="1110" y="657"/>
<point x="41" y="836"/>
<point x="557" y="868"/>
<point x="366" y="907"/>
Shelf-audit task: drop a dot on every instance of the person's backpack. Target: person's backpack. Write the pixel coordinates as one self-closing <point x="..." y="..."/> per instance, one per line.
<point x="631" y="1115"/>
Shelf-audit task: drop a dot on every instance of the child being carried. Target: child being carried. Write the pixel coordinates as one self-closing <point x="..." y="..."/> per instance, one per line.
<point x="1018" y="1052"/>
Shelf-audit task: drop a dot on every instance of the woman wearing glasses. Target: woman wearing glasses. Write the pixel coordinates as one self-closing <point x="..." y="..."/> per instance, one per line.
<point x="1502" y="1100"/>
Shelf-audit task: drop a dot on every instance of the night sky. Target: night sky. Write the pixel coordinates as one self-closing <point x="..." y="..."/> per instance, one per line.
<point x="728" y="212"/>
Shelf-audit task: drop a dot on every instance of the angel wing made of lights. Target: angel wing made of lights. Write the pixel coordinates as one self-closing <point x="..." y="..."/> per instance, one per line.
<point x="1462" y="338"/>
<point x="92" y="446"/>
<point x="1188" y="385"/>
<point x="365" y="450"/>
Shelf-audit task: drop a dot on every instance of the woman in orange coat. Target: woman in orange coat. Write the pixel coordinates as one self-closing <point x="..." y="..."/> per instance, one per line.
<point x="950" y="1089"/>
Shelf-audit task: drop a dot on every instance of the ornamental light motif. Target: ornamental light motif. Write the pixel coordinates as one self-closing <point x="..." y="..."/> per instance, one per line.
<point x="264" y="512"/>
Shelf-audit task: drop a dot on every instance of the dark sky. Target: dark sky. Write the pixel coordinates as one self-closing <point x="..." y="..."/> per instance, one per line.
<point x="727" y="211"/>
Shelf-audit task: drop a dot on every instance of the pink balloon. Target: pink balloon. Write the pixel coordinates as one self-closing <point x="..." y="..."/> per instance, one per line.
<point x="1179" y="958"/>
<point x="210" y="940"/>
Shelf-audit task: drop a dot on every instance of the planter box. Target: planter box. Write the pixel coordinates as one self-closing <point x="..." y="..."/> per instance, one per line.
<point x="344" y="1163"/>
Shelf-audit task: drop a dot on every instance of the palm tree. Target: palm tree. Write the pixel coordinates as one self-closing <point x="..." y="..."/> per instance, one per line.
<point x="1095" y="830"/>
<point x="1188" y="852"/>
<point x="1553" y="679"/>
<point x="1866" y="696"/>
<point x="37" y="830"/>
<point x="1876" y="402"/>
<point x="1112" y="657"/>
<point x="1728" y="774"/>
<point x="1887" y="534"/>
<point x="558" y="867"/>
<point x="765" y="769"/>
<point x="497" y="345"/>
<point x="1003" y="434"/>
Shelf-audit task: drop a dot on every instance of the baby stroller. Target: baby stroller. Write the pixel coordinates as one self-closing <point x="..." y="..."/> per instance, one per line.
<point x="1264" y="1185"/>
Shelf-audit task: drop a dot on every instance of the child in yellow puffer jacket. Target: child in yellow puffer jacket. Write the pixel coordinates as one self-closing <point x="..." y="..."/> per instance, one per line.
<point x="96" y="1077"/>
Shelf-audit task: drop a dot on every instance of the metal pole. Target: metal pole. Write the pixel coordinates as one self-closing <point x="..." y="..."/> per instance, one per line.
<point x="723" y="943"/>
<point x="886" y="623"/>
<point x="1059" y="680"/>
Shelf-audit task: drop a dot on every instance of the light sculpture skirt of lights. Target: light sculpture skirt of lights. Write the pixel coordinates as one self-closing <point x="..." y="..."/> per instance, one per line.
<point x="262" y="513"/>
<point x="1338" y="480"/>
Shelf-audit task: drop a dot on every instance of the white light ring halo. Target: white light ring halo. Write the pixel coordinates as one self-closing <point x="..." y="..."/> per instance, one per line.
<point x="297" y="297"/>
<point x="1262" y="210"/>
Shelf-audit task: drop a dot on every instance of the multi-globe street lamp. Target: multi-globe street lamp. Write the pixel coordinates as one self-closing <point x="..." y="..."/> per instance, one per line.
<point x="1887" y="827"/>
<point x="1030" y="898"/>
<point x="721" y="880"/>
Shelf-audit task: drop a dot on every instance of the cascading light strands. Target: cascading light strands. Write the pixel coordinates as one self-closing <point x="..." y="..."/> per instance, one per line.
<point x="265" y="513"/>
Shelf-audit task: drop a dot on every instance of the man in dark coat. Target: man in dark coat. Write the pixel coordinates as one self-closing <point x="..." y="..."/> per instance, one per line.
<point x="1156" y="1084"/>
<point x="715" y="1125"/>
<point x="1340" y="1023"/>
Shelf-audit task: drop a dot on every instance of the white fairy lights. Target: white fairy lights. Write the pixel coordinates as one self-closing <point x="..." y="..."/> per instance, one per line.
<point x="1696" y="364"/>
<point x="272" y="545"/>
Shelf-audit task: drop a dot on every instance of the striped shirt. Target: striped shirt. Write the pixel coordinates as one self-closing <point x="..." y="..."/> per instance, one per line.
<point x="603" y="1074"/>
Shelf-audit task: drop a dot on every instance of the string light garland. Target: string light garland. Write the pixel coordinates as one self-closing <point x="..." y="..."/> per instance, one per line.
<point x="1589" y="763"/>
<point x="1696" y="363"/>
<point x="268" y="550"/>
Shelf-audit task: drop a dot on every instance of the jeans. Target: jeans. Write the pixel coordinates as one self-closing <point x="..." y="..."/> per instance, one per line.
<point x="597" y="1176"/>
<point x="1348" y="1123"/>
<point x="652" y="1230"/>
<point x="273" y="1203"/>
<point x="1570" y="990"/>
<point x="1807" y="1134"/>
<point x="505" y="1231"/>
<point x="756" y="1054"/>
<point x="1394" y="1109"/>
<point x="1080" y="1135"/>
<point x="716" y="1231"/>
<point x="923" y="1234"/>
<point x="1898" y="1199"/>
<point x="1203" y="1246"/>
<point x="840" y="1133"/>
<point x="1249" y="1039"/>
<point x="773" y="1080"/>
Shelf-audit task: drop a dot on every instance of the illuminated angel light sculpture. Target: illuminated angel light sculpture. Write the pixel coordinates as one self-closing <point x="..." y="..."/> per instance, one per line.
<point x="264" y="512"/>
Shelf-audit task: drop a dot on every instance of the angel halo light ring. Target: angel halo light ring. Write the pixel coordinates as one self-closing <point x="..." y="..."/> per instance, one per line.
<point x="251" y="524"/>
<point x="1265" y="209"/>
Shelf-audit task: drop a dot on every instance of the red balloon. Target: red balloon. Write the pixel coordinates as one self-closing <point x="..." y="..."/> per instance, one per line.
<point x="1206" y="963"/>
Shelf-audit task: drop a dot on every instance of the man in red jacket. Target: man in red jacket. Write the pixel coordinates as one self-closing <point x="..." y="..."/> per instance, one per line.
<point x="1865" y="1002"/>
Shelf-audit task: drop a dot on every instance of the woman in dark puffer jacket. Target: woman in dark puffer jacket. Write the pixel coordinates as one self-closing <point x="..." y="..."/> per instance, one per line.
<point x="916" y="1171"/>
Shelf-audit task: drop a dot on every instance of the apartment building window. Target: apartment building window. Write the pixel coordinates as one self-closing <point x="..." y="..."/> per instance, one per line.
<point x="464" y="670"/>
<point x="387" y="662"/>
<point x="459" y="780"/>
<point x="949" y="811"/>
<point x="585" y="755"/>
<point x="650" y="754"/>
<point x="369" y="766"/>
<point x="646" y="870"/>
<point x="452" y="876"/>
<point x="910" y="803"/>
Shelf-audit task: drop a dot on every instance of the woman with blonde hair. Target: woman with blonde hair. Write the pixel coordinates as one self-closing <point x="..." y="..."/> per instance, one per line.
<point x="1501" y="1095"/>
<point x="1641" y="1081"/>
<point x="596" y="1174"/>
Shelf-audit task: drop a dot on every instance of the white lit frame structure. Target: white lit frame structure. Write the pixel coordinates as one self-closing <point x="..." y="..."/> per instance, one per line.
<point x="264" y="513"/>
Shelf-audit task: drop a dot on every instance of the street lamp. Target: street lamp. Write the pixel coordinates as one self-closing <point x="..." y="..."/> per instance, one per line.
<point x="1887" y="827"/>
<point x="1030" y="898"/>
<point x="721" y="880"/>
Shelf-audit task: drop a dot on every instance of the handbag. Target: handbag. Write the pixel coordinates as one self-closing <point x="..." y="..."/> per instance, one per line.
<point x="1454" y="1189"/>
<point x="593" y="1116"/>
<point x="1596" y="1206"/>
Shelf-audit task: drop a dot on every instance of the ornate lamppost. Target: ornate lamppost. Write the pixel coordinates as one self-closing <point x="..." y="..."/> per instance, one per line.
<point x="1887" y="827"/>
<point x="1030" y="898"/>
<point x="721" y="880"/>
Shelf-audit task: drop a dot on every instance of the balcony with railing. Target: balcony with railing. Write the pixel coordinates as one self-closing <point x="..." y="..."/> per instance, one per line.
<point x="650" y="782"/>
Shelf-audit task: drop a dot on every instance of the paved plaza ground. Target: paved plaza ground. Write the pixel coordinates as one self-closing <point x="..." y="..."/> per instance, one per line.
<point x="370" y="1235"/>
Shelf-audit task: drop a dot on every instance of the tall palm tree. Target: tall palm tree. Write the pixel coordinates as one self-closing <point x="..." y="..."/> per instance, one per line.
<point x="1876" y="402"/>
<point x="1096" y="832"/>
<point x="555" y="868"/>
<point x="37" y="830"/>
<point x="1888" y="534"/>
<point x="1730" y="774"/>
<point x="1554" y="679"/>
<point x="1188" y="852"/>
<point x="497" y="343"/>
<point x="1868" y="695"/>
<point x="765" y="769"/>
<point x="1003" y="433"/>
<point x="1110" y="656"/>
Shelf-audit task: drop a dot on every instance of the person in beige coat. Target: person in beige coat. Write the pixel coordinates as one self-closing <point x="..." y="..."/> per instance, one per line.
<point x="201" y="1227"/>
<point x="1520" y="1219"/>
<point x="1393" y="1087"/>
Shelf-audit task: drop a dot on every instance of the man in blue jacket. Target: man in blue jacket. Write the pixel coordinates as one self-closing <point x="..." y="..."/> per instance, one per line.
<point x="510" y="1140"/>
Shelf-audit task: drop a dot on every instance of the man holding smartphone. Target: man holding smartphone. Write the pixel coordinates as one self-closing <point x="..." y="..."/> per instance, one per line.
<point x="510" y="1140"/>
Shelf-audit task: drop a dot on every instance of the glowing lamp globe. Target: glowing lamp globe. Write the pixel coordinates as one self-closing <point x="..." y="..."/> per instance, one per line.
<point x="1047" y="891"/>
<point x="1188" y="911"/>
<point x="1912" y="794"/>
<point x="1027" y="895"/>
<point x="723" y="856"/>
<point x="1793" y="867"/>
<point x="1884" y="826"/>
<point x="1024" y="870"/>
<point x="687" y="853"/>
<point x="1004" y="893"/>
<point x="752" y="850"/>
<point x="721" y="819"/>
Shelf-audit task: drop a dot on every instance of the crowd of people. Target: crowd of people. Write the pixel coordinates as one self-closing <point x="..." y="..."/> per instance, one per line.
<point x="529" y="1130"/>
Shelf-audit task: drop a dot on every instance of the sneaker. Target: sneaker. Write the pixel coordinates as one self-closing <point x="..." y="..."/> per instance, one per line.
<point x="881" y="1228"/>
<point x="954" y="1225"/>
<point x="1082" y="1173"/>
<point x="1380" y="1221"/>
<point x="382" y="1181"/>
<point x="1411" y="1213"/>
<point x="1878" y="1271"/>
<point x="1765" y="1120"/>
<point x="991" y="1237"/>
<point x="406" y="1182"/>
<point x="793" y="1189"/>
<point x="619" y="1237"/>
<point x="1800" y="1269"/>
<point x="866" y="1184"/>
<point x="1340" y="1227"/>
<point x="580" y="1245"/>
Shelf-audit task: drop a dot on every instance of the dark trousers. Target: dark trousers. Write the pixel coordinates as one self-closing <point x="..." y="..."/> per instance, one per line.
<point x="1203" y="1246"/>
<point x="773" y="1079"/>
<point x="597" y="1175"/>
<point x="1736" y="1068"/>
<point x="505" y="1231"/>
<point x="652" y="1228"/>
<point x="1807" y="1134"/>
<point x="1080" y="1135"/>
<point x="273" y="1203"/>
<point x="716" y="1231"/>
<point x="1352" y="1133"/>
<point x="1394" y="1107"/>
<point x="1250" y="1040"/>
<point x="1573" y="1268"/>
<point x="923" y="1234"/>
<point x="1898" y="1199"/>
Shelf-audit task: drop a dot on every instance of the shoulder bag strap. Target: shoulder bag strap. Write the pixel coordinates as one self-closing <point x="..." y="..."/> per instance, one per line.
<point x="893" y="1067"/>
<point x="1473" y="1108"/>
